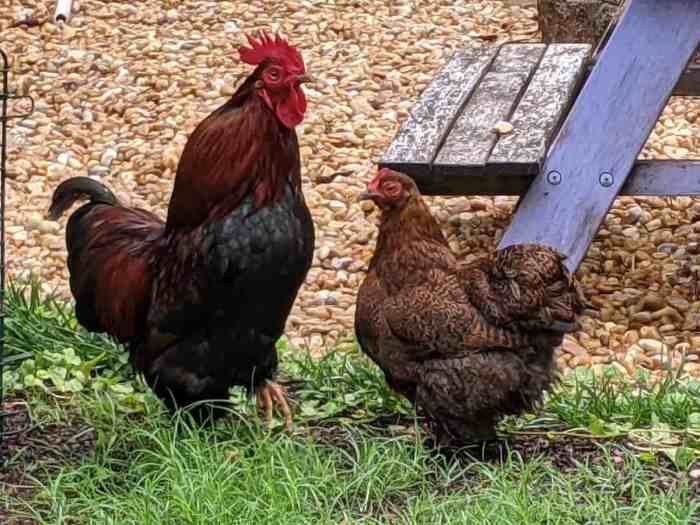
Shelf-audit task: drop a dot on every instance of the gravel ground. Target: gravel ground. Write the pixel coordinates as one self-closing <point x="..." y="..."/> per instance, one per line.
<point x="119" y="90"/>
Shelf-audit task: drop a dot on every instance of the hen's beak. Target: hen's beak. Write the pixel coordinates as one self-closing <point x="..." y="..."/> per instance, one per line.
<point x="366" y="195"/>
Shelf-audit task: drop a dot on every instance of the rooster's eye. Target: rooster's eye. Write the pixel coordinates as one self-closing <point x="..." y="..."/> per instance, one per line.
<point x="273" y="74"/>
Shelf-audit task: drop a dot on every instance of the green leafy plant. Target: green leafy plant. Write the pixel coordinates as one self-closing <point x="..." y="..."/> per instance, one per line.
<point x="48" y="352"/>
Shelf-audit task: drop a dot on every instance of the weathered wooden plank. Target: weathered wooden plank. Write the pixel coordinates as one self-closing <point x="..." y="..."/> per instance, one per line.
<point x="476" y="182"/>
<point x="421" y="134"/>
<point x="543" y="106"/>
<point x="660" y="178"/>
<point x="663" y="178"/>
<point x="472" y="138"/>
<point x="609" y="123"/>
<point x="689" y="84"/>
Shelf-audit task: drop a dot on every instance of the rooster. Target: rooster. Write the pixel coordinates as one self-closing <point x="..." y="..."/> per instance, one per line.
<point x="465" y="343"/>
<point x="201" y="299"/>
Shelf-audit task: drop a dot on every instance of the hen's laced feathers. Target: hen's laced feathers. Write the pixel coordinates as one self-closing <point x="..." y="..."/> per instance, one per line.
<point x="500" y="300"/>
<point x="527" y="285"/>
<point x="410" y="243"/>
<point x="466" y="343"/>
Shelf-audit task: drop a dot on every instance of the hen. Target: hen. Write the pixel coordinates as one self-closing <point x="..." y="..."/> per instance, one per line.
<point x="465" y="343"/>
<point x="201" y="299"/>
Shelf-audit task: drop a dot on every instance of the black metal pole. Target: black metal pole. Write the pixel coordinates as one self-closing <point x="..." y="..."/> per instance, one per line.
<point x="3" y="157"/>
<point x="5" y="96"/>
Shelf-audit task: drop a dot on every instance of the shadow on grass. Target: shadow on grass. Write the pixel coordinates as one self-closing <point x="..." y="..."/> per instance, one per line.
<point x="30" y="451"/>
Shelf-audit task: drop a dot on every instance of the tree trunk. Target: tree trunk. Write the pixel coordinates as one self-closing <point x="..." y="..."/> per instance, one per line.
<point x="580" y="20"/>
<point x="576" y="20"/>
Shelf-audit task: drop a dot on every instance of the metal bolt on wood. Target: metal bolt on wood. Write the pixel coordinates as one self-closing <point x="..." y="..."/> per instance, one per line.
<point x="554" y="177"/>
<point x="606" y="179"/>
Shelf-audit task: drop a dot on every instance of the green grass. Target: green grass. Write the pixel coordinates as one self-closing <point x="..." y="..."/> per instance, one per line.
<point x="356" y="454"/>
<point x="180" y="475"/>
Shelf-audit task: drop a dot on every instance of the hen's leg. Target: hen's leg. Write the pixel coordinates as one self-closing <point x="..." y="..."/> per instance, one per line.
<point x="272" y="394"/>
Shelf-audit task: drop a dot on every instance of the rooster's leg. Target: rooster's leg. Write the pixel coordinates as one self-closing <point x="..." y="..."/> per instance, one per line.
<point x="272" y="394"/>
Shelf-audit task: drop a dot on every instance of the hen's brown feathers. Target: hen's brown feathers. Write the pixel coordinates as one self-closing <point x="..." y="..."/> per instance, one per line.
<point x="526" y="285"/>
<point x="466" y="343"/>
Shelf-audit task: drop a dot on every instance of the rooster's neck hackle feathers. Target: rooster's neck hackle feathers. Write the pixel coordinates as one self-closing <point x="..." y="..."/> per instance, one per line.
<point x="246" y="146"/>
<point x="240" y="148"/>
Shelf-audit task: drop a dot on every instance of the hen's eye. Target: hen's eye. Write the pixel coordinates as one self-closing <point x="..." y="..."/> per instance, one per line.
<point x="392" y="189"/>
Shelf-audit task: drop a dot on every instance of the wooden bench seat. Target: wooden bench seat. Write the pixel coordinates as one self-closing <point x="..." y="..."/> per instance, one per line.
<point x="552" y="124"/>
<point x="448" y="143"/>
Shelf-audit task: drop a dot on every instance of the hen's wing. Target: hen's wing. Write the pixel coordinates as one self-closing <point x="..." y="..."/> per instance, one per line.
<point x="436" y="319"/>
<point x="525" y="285"/>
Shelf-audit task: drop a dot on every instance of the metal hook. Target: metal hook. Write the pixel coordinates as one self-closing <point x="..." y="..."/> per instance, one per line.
<point x="20" y="115"/>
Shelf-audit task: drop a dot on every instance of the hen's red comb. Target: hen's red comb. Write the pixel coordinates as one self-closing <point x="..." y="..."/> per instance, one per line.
<point x="266" y="47"/>
<point x="374" y="183"/>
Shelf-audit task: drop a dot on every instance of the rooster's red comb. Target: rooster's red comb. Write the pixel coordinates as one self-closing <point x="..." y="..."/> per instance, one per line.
<point x="266" y="47"/>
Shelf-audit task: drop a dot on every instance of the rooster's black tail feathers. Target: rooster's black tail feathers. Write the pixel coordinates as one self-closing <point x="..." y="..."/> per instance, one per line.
<point x="73" y="189"/>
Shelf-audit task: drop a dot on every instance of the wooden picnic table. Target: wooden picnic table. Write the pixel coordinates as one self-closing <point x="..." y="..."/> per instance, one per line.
<point x="579" y="118"/>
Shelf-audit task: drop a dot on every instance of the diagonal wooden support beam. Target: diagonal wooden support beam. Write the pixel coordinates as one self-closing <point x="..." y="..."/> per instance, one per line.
<point x="609" y="123"/>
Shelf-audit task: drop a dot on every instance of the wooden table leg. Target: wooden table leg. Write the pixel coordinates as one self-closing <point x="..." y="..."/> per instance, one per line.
<point x="607" y="127"/>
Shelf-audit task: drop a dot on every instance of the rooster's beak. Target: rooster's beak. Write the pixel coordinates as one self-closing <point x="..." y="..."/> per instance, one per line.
<point x="306" y="79"/>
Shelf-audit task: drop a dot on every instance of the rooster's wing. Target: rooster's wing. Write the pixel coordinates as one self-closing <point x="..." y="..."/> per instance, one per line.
<point x="110" y="256"/>
<point x="219" y="272"/>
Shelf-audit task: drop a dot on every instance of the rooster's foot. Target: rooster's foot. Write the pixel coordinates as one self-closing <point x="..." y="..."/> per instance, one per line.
<point x="271" y="394"/>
